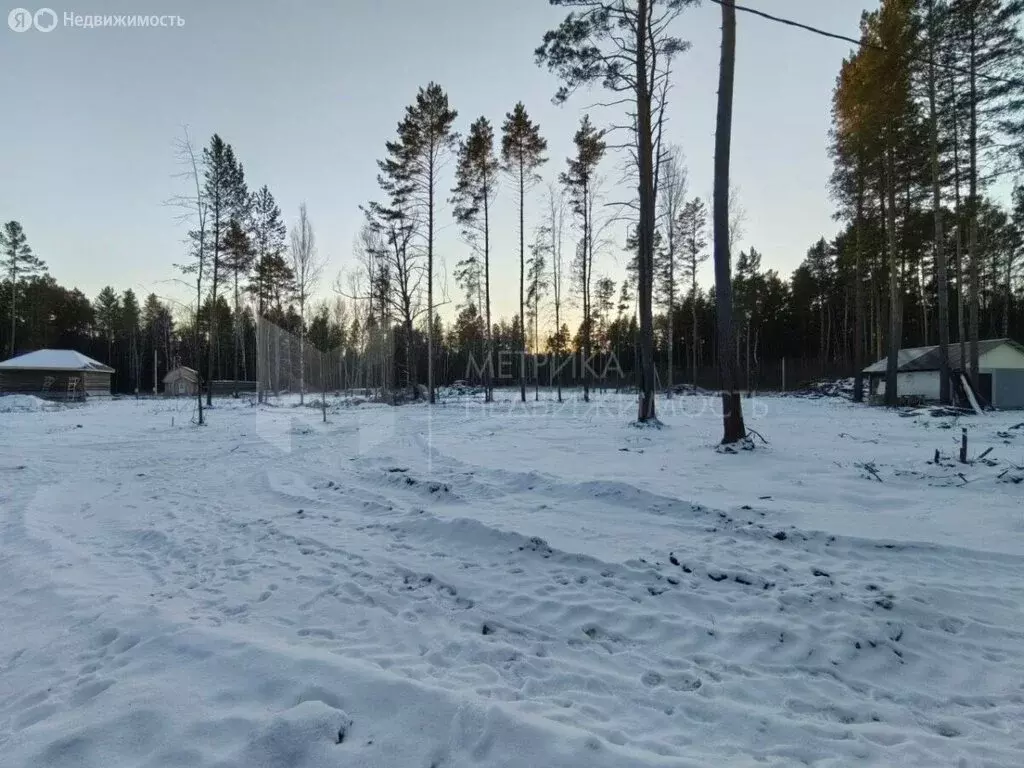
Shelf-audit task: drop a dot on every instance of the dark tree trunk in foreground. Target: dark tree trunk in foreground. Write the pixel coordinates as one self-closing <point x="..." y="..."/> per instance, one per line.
<point x="858" y="345"/>
<point x="942" y="281"/>
<point x="895" y="302"/>
<point x="647" y="224"/>
<point x="732" y="413"/>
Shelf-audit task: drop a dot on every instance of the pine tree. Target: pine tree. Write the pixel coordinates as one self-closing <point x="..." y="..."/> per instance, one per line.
<point x="732" y="413"/>
<point x="108" y="317"/>
<point x="522" y="153"/>
<point x="271" y="275"/>
<point x="933" y="21"/>
<point x="474" y="192"/>
<point x="672" y="185"/>
<point x="268" y="235"/>
<point x="224" y="193"/>
<point x="692" y="223"/>
<point x="238" y="262"/>
<point x="536" y="288"/>
<point x="579" y="181"/>
<point x="989" y="45"/>
<point x="821" y="265"/>
<point x="157" y="327"/>
<point x="19" y="263"/>
<point x="131" y="319"/>
<point x="425" y="140"/>
<point x="627" y="46"/>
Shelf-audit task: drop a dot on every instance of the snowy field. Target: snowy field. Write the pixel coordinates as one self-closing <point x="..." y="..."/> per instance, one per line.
<point x="532" y="586"/>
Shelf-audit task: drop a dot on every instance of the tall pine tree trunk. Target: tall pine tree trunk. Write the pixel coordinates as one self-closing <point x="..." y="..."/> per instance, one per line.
<point x="647" y="223"/>
<point x="489" y="340"/>
<point x="212" y="324"/>
<point x="430" y="282"/>
<point x="942" y="280"/>
<point x="586" y="294"/>
<point x="536" y="345"/>
<point x="671" y="314"/>
<point x="1007" y="295"/>
<point x="858" y="300"/>
<point x="732" y="414"/>
<point x="522" y="279"/>
<point x="892" y="364"/>
<point x="302" y="350"/>
<point x="237" y="335"/>
<point x="14" y="302"/>
<point x="972" y="203"/>
<point x="696" y="333"/>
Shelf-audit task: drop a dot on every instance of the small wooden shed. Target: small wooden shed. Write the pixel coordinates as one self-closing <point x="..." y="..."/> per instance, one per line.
<point x="1000" y="373"/>
<point x="55" y="374"/>
<point x="181" y="382"/>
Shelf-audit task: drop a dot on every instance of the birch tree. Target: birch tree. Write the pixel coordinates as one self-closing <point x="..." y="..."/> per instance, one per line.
<point x="554" y="230"/>
<point x="194" y="208"/>
<point x="307" y="268"/>
<point x="536" y="289"/>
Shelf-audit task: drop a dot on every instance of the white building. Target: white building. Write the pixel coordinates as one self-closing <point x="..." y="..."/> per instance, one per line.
<point x="1000" y="373"/>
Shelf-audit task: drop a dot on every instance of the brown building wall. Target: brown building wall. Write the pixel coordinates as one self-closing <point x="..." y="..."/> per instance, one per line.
<point x="34" y="382"/>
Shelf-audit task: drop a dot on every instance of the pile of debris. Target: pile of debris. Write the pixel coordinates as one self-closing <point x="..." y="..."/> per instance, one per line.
<point x="842" y="388"/>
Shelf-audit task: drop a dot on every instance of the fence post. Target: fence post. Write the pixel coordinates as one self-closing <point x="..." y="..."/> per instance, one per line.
<point x="783" y="374"/>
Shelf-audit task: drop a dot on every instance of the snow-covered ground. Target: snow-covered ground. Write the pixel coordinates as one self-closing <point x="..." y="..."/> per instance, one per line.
<point x="529" y="586"/>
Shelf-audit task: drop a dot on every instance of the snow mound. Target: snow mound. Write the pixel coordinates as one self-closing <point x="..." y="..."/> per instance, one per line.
<point x="23" y="404"/>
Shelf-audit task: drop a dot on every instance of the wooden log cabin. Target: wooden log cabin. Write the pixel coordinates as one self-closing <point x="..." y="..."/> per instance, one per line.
<point x="55" y="374"/>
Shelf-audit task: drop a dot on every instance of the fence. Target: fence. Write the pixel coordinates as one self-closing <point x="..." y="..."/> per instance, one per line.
<point x="608" y="372"/>
<point x="375" y="364"/>
<point x="288" y="364"/>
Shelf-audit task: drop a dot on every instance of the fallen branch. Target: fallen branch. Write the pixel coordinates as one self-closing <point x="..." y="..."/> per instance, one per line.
<point x="755" y="432"/>
<point x="870" y="468"/>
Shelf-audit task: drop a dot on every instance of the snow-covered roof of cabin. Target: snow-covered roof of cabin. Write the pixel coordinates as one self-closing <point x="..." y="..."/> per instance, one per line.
<point x="54" y="360"/>
<point x="188" y="373"/>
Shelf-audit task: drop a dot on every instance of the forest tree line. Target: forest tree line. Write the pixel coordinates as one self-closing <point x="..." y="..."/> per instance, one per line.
<point x="927" y="138"/>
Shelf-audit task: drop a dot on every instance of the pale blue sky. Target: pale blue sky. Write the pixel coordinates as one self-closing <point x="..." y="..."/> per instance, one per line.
<point x="307" y="93"/>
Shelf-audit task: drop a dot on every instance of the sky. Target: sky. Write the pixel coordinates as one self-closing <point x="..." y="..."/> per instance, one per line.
<point x="308" y="93"/>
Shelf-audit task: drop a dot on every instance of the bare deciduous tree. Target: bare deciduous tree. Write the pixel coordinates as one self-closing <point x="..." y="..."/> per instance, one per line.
<point x="554" y="228"/>
<point x="194" y="211"/>
<point x="672" y="184"/>
<point x="307" y="266"/>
